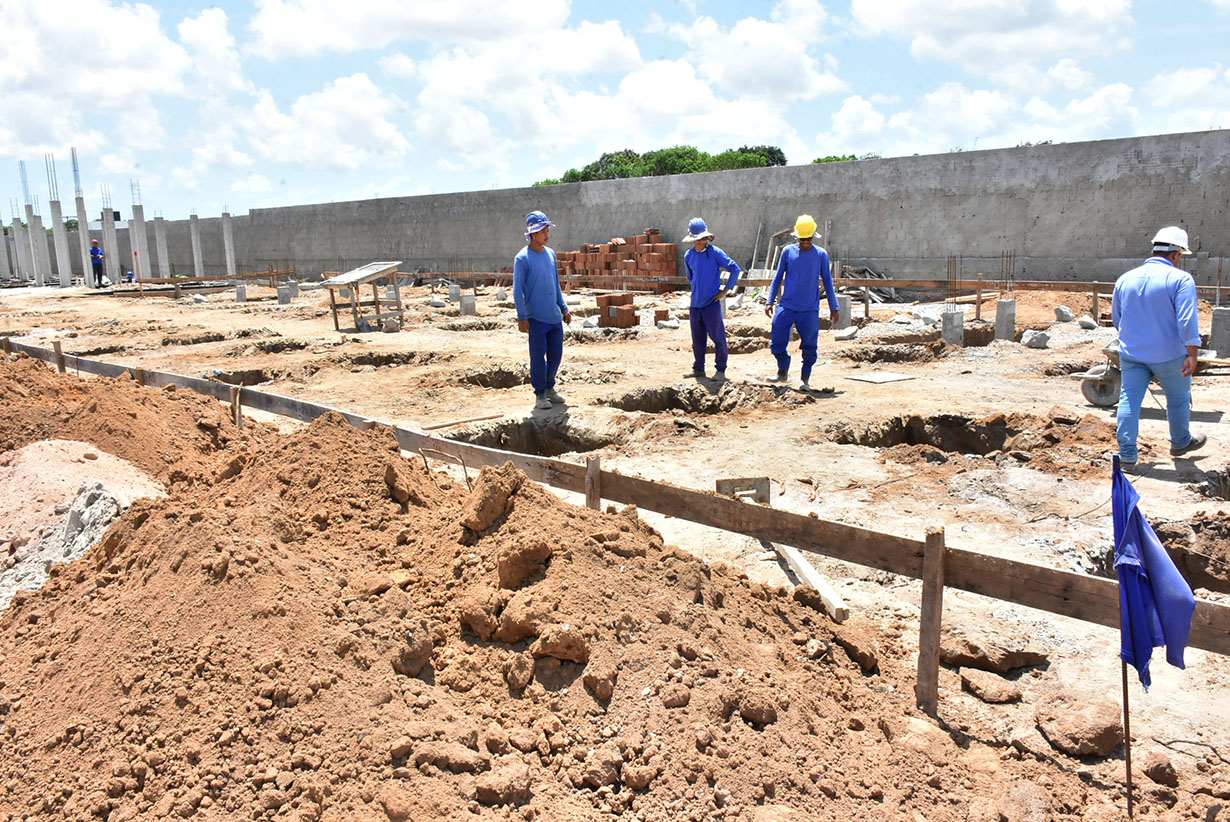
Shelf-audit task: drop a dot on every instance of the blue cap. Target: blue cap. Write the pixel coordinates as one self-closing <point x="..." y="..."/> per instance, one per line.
<point x="697" y="230"/>
<point x="536" y="221"/>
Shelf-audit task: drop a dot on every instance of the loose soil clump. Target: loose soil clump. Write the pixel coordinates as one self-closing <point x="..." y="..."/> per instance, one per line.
<point x="690" y="399"/>
<point x="896" y="352"/>
<point x="543" y="436"/>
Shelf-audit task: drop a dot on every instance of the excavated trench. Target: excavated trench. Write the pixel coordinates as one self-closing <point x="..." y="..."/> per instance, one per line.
<point x="1217" y="483"/>
<point x="195" y="339"/>
<point x="382" y="358"/>
<point x="953" y="433"/>
<point x="475" y="325"/>
<point x="497" y="376"/>
<point x="545" y="436"/>
<point x="691" y="399"/>
<point x="245" y="376"/>
<point x="896" y="352"/>
<point x="278" y="346"/>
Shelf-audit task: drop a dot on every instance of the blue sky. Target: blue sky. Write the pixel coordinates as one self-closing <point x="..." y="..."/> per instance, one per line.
<point x="283" y="102"/>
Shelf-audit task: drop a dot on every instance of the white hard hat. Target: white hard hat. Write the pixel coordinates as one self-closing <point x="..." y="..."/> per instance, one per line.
<point x="1171" y="238"/>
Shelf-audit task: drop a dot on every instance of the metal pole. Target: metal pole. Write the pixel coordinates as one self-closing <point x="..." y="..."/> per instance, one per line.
<point x="1127" y="737"/>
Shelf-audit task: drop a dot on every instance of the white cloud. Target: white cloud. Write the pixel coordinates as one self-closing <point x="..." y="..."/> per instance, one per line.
<point x="216" y="64"/>
<point x="1107" y="112"/>
<point x="252" y="184"/>
<point x="857" y="127"/>
<point x="347" y="124"/>
<point x="1003" y="39"/>
<point x="306" y="28"/>
<point x="763" y="58"/>
<point x="952" y="116"/>
<point x="1190" y="99"/>
<point x="399" y="66"/>
<point x="1068" y="75"/>
<point x="215" y="152"/>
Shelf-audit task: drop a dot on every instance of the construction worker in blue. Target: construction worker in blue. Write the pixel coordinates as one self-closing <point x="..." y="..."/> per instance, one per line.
<point x="541" y="310"/>
<point x="1154" y="308"/>
<point x="96" y="262"/>
<point x="800" y="271"/>
<point x="704" y="264"/>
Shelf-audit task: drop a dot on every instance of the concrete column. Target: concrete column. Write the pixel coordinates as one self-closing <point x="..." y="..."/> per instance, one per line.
<point x="843" y="311"/>
<point x="83" y="239"/>
<point x="59" y="235"/>
<point x="194" y="226"/>
<point x="1219" y="336"/>
<point x="284" y="295"/>
<point x="139" y="241"/>
<point x="1005" y="320"/>
<point x="6" y="271"/>
<point x="160" y="243"/>
<point x="32" y="240"/>
<point x="228" y="245"/>
<point x="21" y="248"/>
<point x="111" y="246"/>
<point x="241" y="294"/>
<point x="953" y="327"/>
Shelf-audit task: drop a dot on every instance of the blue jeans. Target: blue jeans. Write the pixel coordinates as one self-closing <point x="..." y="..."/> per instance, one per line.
<point x="707" y="324"/>
<point x="1178" y="389"/>
<point x="546" y="351"/>
<point x="808" y="324"/>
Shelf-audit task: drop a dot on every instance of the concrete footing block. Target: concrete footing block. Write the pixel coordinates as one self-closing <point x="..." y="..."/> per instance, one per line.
<point x="952" y="328"/>
<point x="293" y="285"/>
<point x="469" y="305"/>
<point x="241" y="294"/>
<point x="454" y="293"/>
<point x="843" y="311"/>
<point x="1219" y="336"/>
<point x="1005" y="320"/>
<point x="284" y="295"/>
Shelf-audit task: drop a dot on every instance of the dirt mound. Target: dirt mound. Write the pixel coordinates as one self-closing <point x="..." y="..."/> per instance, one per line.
<point x="319" y="629"/>
<point x="896" y="352"/>
<point x="714" y="398"/>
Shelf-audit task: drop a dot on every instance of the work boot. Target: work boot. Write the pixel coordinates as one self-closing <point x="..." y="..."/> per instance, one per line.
<point x="803" y="386"/>
<point x="554" y="396"/>
<point x="1194" y="444"/>
<point x="781" y="377"/>
<point x="719" y="376"/>
<point x="543" y="404"/>
<point x="695" y="373"/>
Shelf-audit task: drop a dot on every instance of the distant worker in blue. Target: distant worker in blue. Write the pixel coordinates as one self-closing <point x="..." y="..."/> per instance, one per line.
<point x="96" y="261"/>
<point x="1154" y="308"/>
<point x="801" y="270"/>
<point x="541" y="310"/>
<point x="705" y="263"/>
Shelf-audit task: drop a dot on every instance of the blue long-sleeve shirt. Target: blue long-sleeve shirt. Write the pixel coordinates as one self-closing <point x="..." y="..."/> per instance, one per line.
<point x="798" y="277"/>
<point x="536" y="290"/>
<point x="1154" y="308"/>
<point x="704" y="271"/>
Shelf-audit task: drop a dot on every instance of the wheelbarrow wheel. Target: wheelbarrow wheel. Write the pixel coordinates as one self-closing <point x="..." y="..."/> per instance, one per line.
<point x="1101" y="391"/>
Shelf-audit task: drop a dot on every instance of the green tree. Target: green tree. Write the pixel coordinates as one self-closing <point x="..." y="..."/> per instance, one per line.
<point x="773" y="155"/>
<point x="70" y="224"/>
<point x="834" y="158"/>
<point x="674" y="160"/>
<point x="732" y="159"/>
<point x="550" y="181"/>
<point x="612" y="165"/>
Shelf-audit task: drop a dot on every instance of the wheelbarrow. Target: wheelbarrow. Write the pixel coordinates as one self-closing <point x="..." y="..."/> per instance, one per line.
<point x="1100" y="384"/>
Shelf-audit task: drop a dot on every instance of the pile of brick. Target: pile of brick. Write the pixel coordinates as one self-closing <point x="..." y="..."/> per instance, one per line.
<point x="642" y="261"/>
<point x="618" y="311"/>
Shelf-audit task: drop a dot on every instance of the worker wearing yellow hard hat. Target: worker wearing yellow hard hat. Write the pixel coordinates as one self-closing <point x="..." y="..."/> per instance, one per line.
<point x="801" y="270"/>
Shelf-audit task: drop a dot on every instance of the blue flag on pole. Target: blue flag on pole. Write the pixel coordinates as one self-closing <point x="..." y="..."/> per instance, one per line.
<point x="1155" y="602"/>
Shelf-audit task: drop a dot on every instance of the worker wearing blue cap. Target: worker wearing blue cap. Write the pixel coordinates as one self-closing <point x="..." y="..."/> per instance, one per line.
<point x="705" y="263"/>
<point x="541" y="310"/>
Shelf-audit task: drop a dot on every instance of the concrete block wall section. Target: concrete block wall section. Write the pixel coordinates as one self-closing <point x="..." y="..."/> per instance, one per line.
<point x="1076" y="211"/>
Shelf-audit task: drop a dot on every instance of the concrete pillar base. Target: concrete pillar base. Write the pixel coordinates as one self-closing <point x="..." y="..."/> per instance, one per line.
<point x="241" y="294"/>
<point x="843" y="311"/>
<point x="454" y="293"/>
<point x="953" y="328"/>
<point x="469" y="306"/>
<point x="293" y="285"/>
<point x="1219" y="336"/>
<point x="283" y="295"/>
<point x="1005" y="320"/>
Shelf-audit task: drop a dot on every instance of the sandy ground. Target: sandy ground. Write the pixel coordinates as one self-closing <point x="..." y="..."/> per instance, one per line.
<point x="1045" y="504"/>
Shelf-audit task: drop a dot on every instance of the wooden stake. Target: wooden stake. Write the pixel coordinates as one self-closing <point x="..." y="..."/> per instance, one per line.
<point x="59" y="356"/>
<point x="927" y="690"/>
<point x="593" y="483"/>
<point x="8" y="345"/>
<point x="236" y="406"/>
<point x="139" y="375"/>
<point x="1096" y="318"/>
<point x="866" y="303"/>
<point x="978" y="301"/>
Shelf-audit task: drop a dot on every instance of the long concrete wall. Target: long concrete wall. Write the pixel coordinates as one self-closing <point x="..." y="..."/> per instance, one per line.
<point x="1074" y="211"/>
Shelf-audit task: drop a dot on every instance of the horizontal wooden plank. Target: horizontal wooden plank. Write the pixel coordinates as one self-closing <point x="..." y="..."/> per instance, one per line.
<point x="210" y="388"/>
<point x="566" y="475"/>
<point x="846" y="542"/>
<point x="302" y="410"/>
<point x="363" y="274"/>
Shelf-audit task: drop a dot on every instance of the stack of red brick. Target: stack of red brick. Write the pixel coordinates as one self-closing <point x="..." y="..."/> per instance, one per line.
<point x="643" y="261"/>
<point x="617" y="311"/>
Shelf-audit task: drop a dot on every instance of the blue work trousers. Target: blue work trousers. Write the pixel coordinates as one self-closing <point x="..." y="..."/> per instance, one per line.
<point x="808" y="324"/>
<point x="707" y="324"/>
<point x="546" y="351"/>
<point x="1178" y="389"/>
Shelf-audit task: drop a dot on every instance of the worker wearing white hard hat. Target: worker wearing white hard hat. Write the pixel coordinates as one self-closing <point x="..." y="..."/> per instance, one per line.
<point x="1154" y="308"/>
<point x="801" y="270"/>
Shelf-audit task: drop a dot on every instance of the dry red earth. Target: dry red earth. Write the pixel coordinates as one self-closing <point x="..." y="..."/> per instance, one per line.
<point x="310" y="626"/>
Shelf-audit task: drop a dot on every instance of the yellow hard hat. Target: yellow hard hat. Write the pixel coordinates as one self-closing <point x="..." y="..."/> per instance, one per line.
<point x="804" y="227"/>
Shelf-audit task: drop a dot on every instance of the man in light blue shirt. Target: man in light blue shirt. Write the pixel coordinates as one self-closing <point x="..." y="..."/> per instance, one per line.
<point x="1154" y="308"/>
<point x="704" y="264"/>
<point x="541" y="310"/>
<point x="801" y="271"/>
